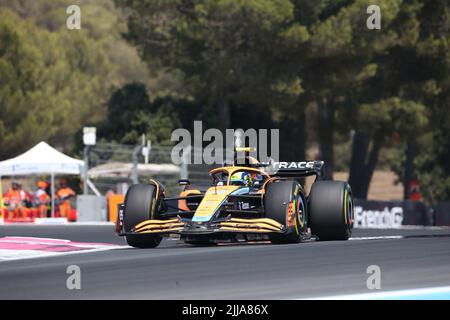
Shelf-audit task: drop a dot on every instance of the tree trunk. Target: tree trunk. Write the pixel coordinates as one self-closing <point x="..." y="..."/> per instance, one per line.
<point x="371" y="165"/>
<point x="409" y="169"/>
<point x="363" y="163"/>
<point x="326" y="125"/>
<point x="360" y="147"/>
<point x="302" y="134"/>
<point x="293" y="134"/>
<point x="223" y="113"/>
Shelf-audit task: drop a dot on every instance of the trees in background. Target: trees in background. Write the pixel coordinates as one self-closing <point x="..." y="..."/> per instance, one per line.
<point x="412" y="77"/>
<point x="430" y="66"/>
<point x="365" y="82"/>
<point x="101" y="22"/>
<point x="131" y="114"/>
<point x="376" y="125"/>
<point x="46" y="91"/>
<point x="233" y="56"/>
<point x="65" y="78"/>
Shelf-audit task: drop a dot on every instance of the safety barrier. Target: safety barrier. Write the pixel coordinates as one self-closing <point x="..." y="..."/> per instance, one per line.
<point x="393" y="214"/>
<point x="442" y="214"/>
<point x="368" y="213"/>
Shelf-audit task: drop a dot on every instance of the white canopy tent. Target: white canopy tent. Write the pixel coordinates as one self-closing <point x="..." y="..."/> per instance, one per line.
<point x="42" y="159"/>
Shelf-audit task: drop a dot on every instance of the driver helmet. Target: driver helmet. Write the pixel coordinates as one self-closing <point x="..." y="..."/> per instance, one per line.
<point x="241" y="179"/>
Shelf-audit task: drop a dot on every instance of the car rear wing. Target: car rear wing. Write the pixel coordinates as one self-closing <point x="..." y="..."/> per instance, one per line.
<point x="295" y="169"/>
<point x="280" y="168"/>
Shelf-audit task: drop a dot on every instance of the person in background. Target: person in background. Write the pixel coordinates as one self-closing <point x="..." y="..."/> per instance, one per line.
<point x="16" y="200"/>
<point x="42" y="199"/>
<point x="63" y="195"/>
<point x="414" y="190"/>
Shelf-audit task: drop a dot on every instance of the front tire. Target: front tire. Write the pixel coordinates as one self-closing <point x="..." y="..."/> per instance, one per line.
<point x="331" y="210"/>
<point x="140" y="205"/>
<point x="280" y="198"/>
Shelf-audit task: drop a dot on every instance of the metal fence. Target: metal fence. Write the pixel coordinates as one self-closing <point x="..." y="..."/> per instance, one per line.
<point x="131" y="155"/>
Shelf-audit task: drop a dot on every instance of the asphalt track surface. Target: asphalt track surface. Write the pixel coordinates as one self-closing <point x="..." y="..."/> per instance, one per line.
<point x="419" y="258"/>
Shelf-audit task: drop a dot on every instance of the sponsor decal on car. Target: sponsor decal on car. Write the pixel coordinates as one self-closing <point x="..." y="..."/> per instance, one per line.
<point x="291" y="215"/>
<point x="213" y="199"/>
<point x="294" y="165"/>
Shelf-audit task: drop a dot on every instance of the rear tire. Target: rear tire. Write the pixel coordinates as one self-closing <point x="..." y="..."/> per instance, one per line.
<point x="278" y="196"/>
<point x="331" y="210"/>
<point x="139" y="201"/>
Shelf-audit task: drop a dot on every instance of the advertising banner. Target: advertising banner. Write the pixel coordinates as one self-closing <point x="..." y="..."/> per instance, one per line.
<point x="389" y="214"/>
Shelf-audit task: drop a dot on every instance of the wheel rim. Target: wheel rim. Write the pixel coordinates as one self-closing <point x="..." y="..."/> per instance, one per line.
<point x="348" y="209"/>
<point x="300" y="214"/>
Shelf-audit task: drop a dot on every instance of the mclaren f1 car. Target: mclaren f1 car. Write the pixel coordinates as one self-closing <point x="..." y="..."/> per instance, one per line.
<point x="250" y="202"/>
